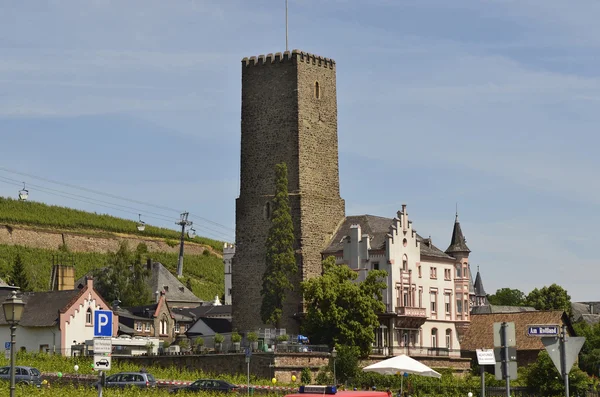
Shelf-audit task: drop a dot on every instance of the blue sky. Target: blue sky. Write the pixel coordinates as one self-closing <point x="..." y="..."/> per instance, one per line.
<point x="491" y="104"/>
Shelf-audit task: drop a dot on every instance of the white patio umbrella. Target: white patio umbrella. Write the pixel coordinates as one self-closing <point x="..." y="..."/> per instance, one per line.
<point x="401" y="364"/>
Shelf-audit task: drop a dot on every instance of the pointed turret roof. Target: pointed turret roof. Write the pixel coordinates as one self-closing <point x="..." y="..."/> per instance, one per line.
<point x="471" y="285"/>
<point x="478" y="286"/>
<point x="458" y="242"/>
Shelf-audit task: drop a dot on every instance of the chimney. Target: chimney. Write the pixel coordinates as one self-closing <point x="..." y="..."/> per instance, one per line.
<point x="64" y="277"/>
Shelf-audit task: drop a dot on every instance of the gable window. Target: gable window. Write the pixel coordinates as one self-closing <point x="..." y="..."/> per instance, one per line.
<point x="147" y="327"/>
<point x="138" y="327"/>
<point x="89" y="316"/>
<point x="405" y="263"/>
<point x="419" y="269"/>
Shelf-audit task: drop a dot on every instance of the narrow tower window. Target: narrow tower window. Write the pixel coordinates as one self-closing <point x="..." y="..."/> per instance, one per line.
<point x="267" y="213"/>
<point x="317" y="90"/>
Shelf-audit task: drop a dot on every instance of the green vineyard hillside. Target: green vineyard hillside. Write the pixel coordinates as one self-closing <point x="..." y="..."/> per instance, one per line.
<point x="203" y="267"/>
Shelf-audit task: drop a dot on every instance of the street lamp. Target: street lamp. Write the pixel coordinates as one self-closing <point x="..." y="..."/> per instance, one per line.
<point x="13" y="309"/>
<point x="334" y="355"/>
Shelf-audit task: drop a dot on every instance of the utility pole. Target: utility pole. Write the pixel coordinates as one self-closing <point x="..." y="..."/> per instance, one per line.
<point x="505" y="358"/>
<point x="563" y="359"/>
<point x="183" y="222"/>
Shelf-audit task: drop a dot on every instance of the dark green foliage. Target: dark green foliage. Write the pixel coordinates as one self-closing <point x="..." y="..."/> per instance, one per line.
<point x="38" y="214"/>
<point x="206" y="271"/>
<point x="589" y="357"/>
<point x="342" y="311"/>
<point x="346" y="363"/>
<point x="124" y="277"/>
<point x="553" y="297"/>
<point x="18" y="275"/>
<point x="280" y="260"/>
<point x="507" y="297"/>
<point x="306" y="376"/>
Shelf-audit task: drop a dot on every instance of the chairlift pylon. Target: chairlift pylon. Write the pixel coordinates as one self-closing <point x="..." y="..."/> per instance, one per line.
<point x="191" y="233"/>
<point x="141" y="224"/>
<point x="23" y="194"/>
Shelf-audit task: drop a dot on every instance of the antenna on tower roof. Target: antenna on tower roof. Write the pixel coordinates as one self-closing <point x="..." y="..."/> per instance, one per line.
<point x="286" y="25"/>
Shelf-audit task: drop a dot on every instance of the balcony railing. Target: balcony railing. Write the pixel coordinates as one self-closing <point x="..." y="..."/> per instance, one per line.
<point x="411" y="311"/>
<point x="438" y="351"/>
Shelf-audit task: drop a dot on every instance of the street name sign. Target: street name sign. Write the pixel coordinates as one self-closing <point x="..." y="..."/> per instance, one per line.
<point x="543" y="330"/>
<point x="103" y="323"/>
<point x="485" y="357"/>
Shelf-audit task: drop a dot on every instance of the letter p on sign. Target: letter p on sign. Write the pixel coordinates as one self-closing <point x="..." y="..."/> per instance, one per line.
<point x="103" y="323"/>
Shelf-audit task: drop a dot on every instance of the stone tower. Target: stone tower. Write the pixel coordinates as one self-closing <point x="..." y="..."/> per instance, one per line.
<point x="289" y="114"/>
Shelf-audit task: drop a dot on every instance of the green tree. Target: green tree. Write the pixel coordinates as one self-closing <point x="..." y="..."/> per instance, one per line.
<point x="543" y="377"/>
<point x="507" y="297"/>
<point x="342" y="311"/>
<point x="18" y="275"/>
<point x="124" y="277"/>
<point x="280" y="260"/>
<point x="589" y="357"/>
<point x="553" y="297"/>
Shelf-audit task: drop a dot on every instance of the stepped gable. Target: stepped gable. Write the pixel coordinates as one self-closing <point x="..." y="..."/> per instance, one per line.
<point x="299" y="56"/>
<point x="377" y="227"/>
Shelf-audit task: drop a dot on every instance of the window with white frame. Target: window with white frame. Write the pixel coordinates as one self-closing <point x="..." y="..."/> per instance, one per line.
<point x="433" y="301"/>
<point x="449" y="338"/>
<point x="147" y="327"/>
<point x="138" y="326"/>
<point x="447" y="303"/>
<point x="433" y="272"/>
<point x="459" y="301"/>
<point x="434" y="340"/>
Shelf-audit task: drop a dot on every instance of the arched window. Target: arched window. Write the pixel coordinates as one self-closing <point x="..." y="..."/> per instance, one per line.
<point x="317" y="90"/>
<point x="434" y="335"/>
<point x="89" y="316"/>
<point x="449" y="338"/>
<point x="405" y="262"/>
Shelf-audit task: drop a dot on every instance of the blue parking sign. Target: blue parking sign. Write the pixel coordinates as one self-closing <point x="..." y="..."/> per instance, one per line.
<point x="103" y="323"/>
<point x="7" y="345"/>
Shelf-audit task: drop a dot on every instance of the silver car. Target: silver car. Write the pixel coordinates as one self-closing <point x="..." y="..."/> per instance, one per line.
<point x="142" y="380"/>
<point x="23" y="375"/>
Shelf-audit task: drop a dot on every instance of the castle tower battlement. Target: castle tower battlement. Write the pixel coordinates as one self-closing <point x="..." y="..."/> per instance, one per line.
<point x="289" y="114"/>
<point x="299" y="56"/>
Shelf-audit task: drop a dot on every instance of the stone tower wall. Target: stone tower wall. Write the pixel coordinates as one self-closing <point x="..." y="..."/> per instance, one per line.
<point x="284" y="121"/>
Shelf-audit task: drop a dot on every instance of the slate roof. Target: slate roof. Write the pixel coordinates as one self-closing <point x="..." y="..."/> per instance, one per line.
<point x="219" y="325"/>
<point x="480" y="334"/>
<point x="458" y="243"/>
<point x="161" y="277"/>
<point x="377" y="228"/>
<point x="42" y="309"/>
<point x="587" y="311"/>
<point x="497" y="309"/>
<point x="478" y="286"/>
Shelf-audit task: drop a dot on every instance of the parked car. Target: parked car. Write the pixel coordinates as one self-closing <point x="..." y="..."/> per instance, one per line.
<point x="213" y="385"/>
<point x="142" y="380"/>
<point x="23" y="375"/>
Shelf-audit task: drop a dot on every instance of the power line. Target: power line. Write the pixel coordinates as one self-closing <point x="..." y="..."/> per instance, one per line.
<point x="114" y="196"/>
<point x="110" y="205"/>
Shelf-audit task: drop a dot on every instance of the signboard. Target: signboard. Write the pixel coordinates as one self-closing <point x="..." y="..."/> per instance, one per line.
<point x="485" y="357"/>
<point x="7" y="354"/>
<point x="512" y="370"/>
<point x="102" y="362"/>
<point x="499" y="354"/>
<point x="103" y="323"/>
<point x="572" y="345"/>
<point x="510" y="335"/>
<point x="543" y="330"/>
<point x="7" y="345"/>
<point x="102" y="346"/>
